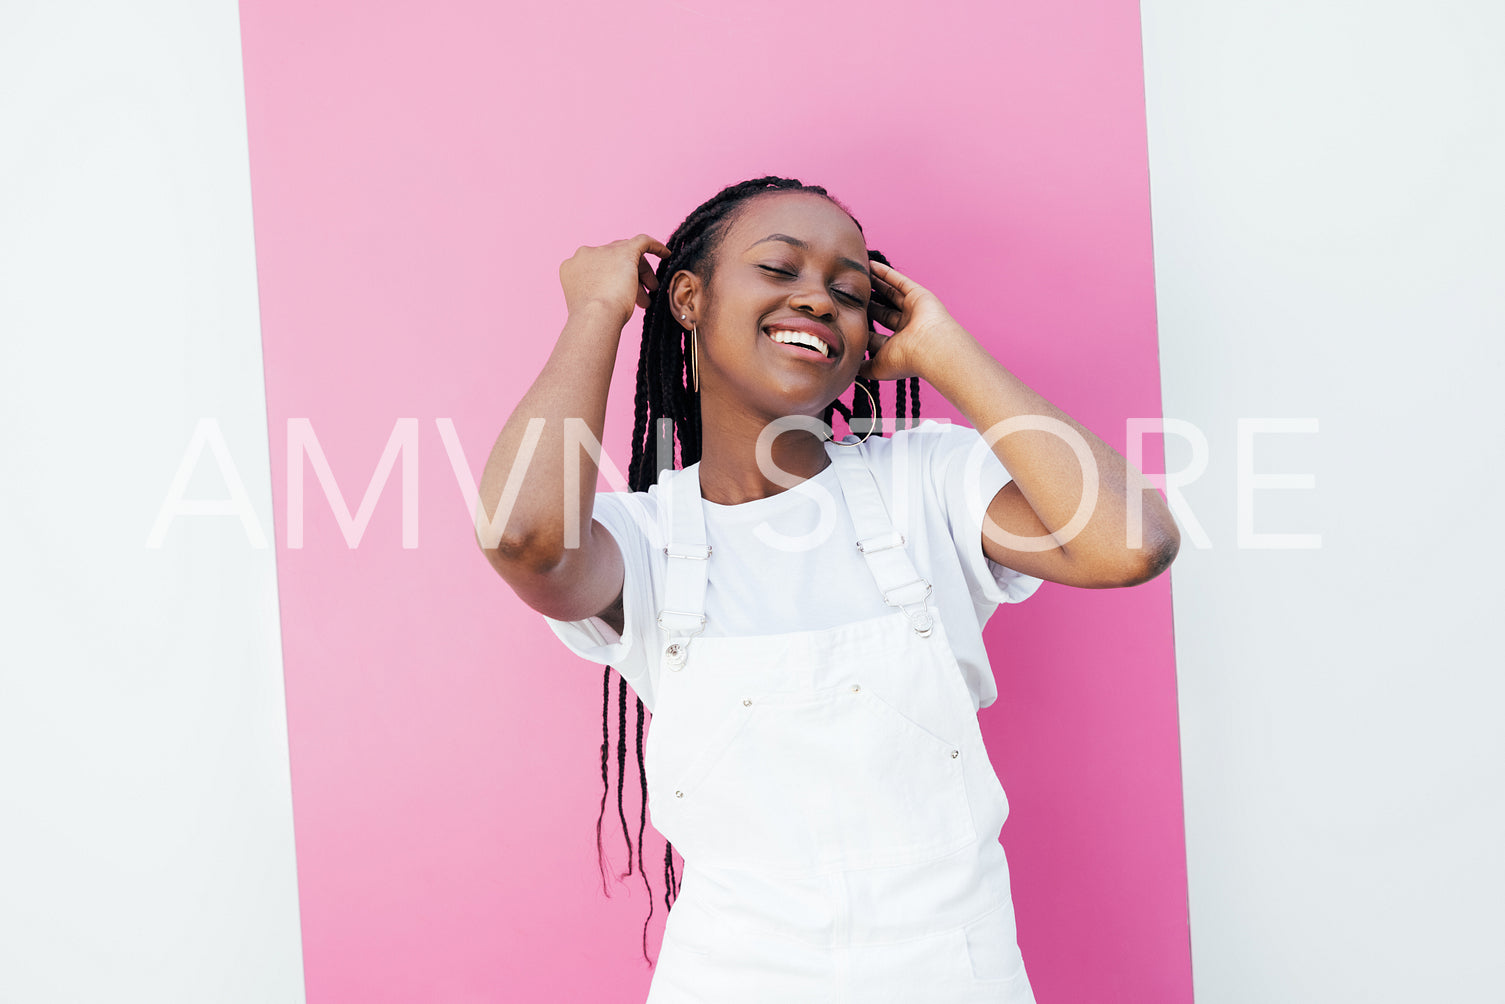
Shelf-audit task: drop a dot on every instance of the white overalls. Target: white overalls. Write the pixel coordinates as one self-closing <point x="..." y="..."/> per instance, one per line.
<point x="830" y="793"/>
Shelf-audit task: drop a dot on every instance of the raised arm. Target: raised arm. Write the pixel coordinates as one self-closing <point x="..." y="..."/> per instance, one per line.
<point x="528" y="461"/>
<point x="1048" y="483"/>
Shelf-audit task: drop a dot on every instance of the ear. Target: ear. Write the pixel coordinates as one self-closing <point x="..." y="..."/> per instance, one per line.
<point x="686" y="296"/>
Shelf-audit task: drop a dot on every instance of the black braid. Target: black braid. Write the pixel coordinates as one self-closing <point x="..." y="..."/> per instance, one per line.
<point x="641" y="433"/>
<point x="642" y="824"/>
<point x="622" y="766"/>
<point x="664" y="391"/>
<point x="899" y="405"/>
<point x="605" y="743"/>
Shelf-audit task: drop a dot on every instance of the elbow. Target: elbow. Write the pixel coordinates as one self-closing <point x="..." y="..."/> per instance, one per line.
<point x="518" y="540"/>
<point x="1163" y="557"/>
<point x="1155" y="557"/>
<point x="1134" y="566"/>
<point x="519" y="550"/>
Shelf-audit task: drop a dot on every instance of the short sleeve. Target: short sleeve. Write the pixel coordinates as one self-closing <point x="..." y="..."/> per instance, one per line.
<point x="631" y="526"/>
<point x="968" y="474"/>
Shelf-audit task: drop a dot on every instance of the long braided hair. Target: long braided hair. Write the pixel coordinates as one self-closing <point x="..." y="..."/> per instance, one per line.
<point x="667" y="410"/>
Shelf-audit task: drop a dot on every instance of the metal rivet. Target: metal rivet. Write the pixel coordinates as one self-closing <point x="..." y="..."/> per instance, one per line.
<point x="856" y="687"/>
<point x="679" y="794"/>
<point x="955" y="754"/>
<point x="746" y="701"/>
<point x="676" y="655"/>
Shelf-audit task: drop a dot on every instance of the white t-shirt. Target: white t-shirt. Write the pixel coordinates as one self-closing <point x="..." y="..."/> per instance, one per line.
<point x="789" y="562"/>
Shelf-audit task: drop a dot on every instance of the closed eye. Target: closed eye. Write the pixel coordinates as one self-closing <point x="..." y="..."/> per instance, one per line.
<point x="847" y="294"/>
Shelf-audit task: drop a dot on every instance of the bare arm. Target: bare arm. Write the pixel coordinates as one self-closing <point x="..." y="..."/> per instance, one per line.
<point x="1048" y="483"/>
<point x="567" y="583"/>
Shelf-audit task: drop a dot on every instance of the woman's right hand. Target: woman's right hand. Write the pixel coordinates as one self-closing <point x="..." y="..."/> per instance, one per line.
<point x="615" y="276"/>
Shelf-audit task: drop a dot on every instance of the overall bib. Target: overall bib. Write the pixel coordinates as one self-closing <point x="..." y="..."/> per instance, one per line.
<point x="830" y="793"/>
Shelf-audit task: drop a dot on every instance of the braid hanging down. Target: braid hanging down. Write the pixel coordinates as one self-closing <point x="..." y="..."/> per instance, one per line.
<point x="666" y="411"/>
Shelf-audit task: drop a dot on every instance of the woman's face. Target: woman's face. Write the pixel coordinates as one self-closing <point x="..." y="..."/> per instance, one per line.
<point x="792" y="266"/>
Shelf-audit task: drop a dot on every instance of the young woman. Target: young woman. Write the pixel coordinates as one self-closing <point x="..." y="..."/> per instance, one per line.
<point x="803" y="616"/>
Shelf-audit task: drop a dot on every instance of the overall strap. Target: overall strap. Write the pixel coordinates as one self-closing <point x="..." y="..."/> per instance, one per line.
<point x="682" y="615"/>
<point x="881" y="544"/>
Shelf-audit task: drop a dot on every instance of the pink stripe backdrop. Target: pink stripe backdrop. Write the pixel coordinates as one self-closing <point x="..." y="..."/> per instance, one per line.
<point x="418" y="173"/>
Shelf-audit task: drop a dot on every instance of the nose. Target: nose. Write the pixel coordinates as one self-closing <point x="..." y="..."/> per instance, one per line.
<point x="813" y="299"/>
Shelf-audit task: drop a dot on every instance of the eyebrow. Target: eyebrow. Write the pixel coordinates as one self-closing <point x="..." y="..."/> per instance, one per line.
<point x="796" y="242"/>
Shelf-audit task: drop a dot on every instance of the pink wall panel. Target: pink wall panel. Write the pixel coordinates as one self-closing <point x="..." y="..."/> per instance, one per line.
<point x="419" y="172"/>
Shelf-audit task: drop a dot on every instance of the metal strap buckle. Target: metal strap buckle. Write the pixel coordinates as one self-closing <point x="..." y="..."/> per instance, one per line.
<point x="700" y="553"/>
<point x="920" y="619"/>
<point x="698" y="619"/>
<point x="887" y="597"/>
<point x="891" y="539"/>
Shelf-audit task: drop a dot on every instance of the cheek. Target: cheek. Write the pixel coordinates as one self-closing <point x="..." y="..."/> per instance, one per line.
<point x="860" y="322"/>
<point x="736" y="301"/>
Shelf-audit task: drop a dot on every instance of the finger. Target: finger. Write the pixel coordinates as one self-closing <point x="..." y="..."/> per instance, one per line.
<point x="887" y="293"/>
<point x="886" y="316"/>
<point x="876" y="341"/>
<point x="877" y="369"/>
<point x="893" y="277"/>
<point x="646" y="276"/>
<point x="874" y="369"/>
<point x="650" y="244"/>
<point x="891" y="292"/>
<point x="643" y="298"/>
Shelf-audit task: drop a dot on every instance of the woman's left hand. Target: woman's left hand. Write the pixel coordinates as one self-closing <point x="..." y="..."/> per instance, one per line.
<point x="920" y="326"/>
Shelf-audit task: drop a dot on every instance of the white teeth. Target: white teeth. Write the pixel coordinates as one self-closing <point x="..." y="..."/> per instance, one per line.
<point x="800" y="338"/>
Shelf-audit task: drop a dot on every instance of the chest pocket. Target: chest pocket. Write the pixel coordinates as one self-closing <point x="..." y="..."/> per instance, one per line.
<point x="838" y="778"/>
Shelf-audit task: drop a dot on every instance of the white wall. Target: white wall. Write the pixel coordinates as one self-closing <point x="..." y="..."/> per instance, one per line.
<point x="146" y="841"/>
<point x="1325" y="180"/>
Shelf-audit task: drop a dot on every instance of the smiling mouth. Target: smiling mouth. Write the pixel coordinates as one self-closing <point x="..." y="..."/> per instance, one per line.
<point x="803" y="339"/>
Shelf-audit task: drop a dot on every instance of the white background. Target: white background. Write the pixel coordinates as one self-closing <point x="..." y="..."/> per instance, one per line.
<point x="1325" y="183"/>
<point x="146" y="840"/>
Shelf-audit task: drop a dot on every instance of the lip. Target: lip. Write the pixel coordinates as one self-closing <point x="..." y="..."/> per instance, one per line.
<point x="808" y="327"/>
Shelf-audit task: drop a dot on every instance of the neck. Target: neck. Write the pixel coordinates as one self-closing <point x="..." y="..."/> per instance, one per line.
<point x="729" y="471"/>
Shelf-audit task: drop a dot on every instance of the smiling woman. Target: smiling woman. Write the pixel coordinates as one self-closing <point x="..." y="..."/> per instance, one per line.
<point x="778" y="326"/>
<point x="814" y="752"/>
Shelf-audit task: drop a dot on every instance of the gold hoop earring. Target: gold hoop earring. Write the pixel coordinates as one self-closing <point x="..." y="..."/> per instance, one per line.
<point x="694" y="361"/>
<point x="872" y="420"/>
